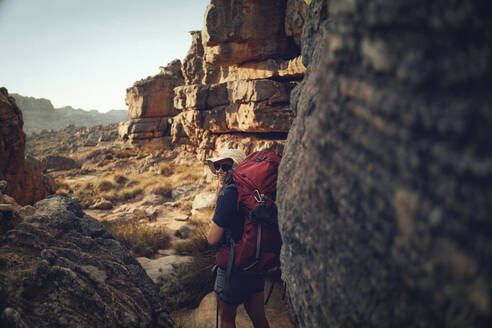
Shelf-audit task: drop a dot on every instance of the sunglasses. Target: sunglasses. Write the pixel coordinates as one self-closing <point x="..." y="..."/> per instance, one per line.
<point x="225" y="167"/>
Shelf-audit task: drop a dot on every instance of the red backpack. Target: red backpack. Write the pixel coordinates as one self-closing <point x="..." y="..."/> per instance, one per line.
<point x="259" y="248"/>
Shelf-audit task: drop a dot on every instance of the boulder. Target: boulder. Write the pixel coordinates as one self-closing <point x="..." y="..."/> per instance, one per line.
<point x="58" y="163"/>
<point x="243" y="31"/>
<point x="385" y="184"/>
<point x="102" y="204"/>
<point x="12" y="144"/>
<point x="62" y="268"/>
<point x="26" y="183"/>
<point x="158" y="269"/>
<point x="153" y="97"/>
<point x="204" y="200"/>
<point x="35" y="185"/>
<point x="143" y="128"/>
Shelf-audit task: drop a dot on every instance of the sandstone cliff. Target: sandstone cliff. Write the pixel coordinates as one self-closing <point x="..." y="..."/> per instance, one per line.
<point x="39" y="114"/>
<point x="26" y="183"/>
<point x="61" y="268"/>
<point x="238" y="75"/>
<point x="386" y="180"/>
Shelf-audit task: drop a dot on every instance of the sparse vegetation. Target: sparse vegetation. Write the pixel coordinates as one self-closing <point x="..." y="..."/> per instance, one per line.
<point x="190" y="282"/>
<point x="122" y="186"/>
<point x="140" y="239"/>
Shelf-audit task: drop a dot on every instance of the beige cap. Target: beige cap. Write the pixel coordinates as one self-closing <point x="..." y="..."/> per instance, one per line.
<point x="236" y="155"/>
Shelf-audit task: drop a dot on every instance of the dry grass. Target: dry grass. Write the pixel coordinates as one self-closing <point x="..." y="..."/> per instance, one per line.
<point x="190" y="282"/>
<point x="140" y="239"/>
<point x="122" y="186"/>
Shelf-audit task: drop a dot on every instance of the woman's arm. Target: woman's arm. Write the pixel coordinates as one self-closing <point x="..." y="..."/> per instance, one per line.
<point x="215" y="234"/>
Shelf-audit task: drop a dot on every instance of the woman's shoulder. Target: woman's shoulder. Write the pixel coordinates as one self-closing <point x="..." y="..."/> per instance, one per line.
<point x="228" y="190"/>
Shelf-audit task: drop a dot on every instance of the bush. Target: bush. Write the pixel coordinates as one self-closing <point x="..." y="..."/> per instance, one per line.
<point x="190" y="282"/>
<point x="105" y="185"/>
<point x="120" y="179"/>
<point x="163" y="189"/>
<point x="140" y="239"/>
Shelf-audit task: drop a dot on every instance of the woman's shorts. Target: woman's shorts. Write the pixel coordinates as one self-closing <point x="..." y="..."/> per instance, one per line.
<point x="240" y="286"/>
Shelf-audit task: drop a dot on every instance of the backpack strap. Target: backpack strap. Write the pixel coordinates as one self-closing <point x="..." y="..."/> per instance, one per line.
<point x="258" y="247"/>
<point x="230" y="262"/>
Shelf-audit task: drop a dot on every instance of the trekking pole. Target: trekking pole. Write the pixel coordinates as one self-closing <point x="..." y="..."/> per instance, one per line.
<point x="270" y="292"/>
<point x="217" y="315"/>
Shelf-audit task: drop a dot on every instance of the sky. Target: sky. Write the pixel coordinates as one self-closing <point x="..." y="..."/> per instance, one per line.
<point x="85" y="53"/>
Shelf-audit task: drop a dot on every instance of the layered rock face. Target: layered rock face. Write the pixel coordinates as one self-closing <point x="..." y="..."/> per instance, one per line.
<point x="26" y="183"/>
<point x="61" y="268"/>
<point x="239" y="73"/>
<point x="239" y="31"/>
<point x="150" y="104"/>
<point x="385" y="185"/>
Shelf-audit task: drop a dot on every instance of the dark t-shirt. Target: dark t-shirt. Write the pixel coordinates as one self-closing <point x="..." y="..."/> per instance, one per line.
<point x="226" y="214"/>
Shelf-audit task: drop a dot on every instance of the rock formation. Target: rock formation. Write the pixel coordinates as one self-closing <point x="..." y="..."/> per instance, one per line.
<point x="386" y="180"/>
<point x="150" y="105"/>
<point x="39" y="114"/>
<point x="238" y="75"/>
<point x="69" y="141"/>
<point x="61" y="268"/>
<point x="239" y="31"/>
<point x="26" y="183"/>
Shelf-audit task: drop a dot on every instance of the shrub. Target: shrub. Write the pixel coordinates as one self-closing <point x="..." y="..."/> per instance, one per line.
<point x="140" y="239"/>
<point x="120" y="179"/>
<point x="190" y="282"/>
<point x="166" y="168"/>
<point x="124" y="153"/>
<point x="105" y="185"/>
<point x="162" y="189"/>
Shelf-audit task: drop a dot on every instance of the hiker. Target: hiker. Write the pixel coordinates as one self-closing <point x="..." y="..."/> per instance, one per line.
<point x="240" y="287"/>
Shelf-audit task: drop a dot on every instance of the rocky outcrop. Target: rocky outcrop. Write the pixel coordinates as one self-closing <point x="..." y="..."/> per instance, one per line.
<point x="240" y="31"/>
<point x="26" y="183"/>
<point x="240" y="106"/>
<point x="69" y="141"/>
<point x="39" y="114"/>
<point x="152" y="97"/>
<point x="35" y="185"/>
<point x="143" y="128"/>
<point x="61" y="268"/>
<point x="12" y="143"/>
<point x="58" y="163"/>
<point x="239" y="73"/>
<point x="150" y="105"/>
<point x="385" y="185"/>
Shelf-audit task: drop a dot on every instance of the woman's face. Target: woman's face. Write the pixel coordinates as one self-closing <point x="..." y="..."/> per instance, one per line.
<point x="222" y="167"/>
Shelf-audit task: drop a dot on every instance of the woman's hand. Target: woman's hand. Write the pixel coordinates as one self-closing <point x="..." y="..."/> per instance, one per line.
<point x="215" y="234"/>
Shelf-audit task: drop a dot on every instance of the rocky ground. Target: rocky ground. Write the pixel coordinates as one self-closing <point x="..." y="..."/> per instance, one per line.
<point x="167" y="194"/>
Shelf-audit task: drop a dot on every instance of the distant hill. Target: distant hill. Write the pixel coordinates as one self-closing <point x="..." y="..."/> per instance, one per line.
<point x="39" y="114"/>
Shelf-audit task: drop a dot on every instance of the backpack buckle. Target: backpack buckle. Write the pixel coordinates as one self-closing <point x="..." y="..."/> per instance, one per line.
<point x="260" y="198"/>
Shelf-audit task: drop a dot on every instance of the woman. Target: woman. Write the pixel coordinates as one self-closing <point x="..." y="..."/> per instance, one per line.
<point x="240" y="287"/>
